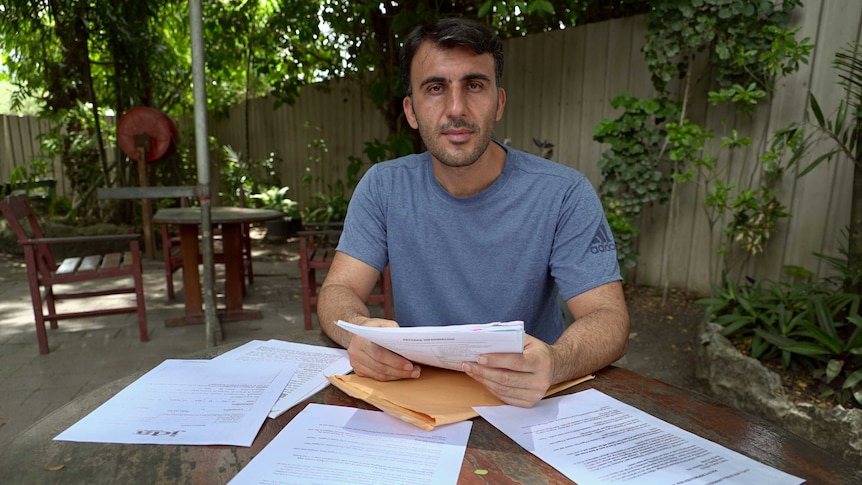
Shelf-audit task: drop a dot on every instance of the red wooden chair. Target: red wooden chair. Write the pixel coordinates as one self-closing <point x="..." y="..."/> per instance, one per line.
<point x="316" y="250"/>
<point x="43" y="272"/>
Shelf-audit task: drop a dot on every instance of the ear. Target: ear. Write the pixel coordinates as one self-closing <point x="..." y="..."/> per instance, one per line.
<point x="501" y="103"/>
<point x="409" y="113"/>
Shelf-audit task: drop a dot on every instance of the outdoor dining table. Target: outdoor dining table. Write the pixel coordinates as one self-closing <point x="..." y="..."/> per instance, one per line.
<point x="32" y="456"/>
<point x="231" y="220"/>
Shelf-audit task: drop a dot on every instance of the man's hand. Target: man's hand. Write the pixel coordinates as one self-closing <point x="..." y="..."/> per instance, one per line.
<point x="371" y="360"/>
<point x="517" y="379"/>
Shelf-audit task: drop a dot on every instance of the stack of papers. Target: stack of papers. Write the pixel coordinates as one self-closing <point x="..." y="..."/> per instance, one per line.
<point x="222" y="401"/>
<point x="315" y="363"/>
<point x="445" y="346"/>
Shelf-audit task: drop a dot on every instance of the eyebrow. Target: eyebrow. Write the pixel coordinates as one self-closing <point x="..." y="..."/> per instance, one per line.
<point x="466" y="77"/>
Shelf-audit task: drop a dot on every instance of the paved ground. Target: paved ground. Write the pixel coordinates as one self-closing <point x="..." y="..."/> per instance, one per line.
<point x="88" y="353"/>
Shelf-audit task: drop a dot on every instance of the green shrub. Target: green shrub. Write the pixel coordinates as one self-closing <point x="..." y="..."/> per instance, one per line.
<point x="799" y="321"/>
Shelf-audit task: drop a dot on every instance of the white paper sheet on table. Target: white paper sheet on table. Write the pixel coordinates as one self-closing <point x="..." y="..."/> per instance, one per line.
<point x="315" y="363"/>
<point x="342" y="445"/>
<point x="445" y="346"/>
<point x="187" y="402"/>
<point x="595" y="439"/>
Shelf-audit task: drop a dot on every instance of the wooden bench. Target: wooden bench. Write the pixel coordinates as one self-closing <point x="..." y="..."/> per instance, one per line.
<point x="43" y="191"/>
<point x="43" y="271"/>
<point x="316" y="251"/>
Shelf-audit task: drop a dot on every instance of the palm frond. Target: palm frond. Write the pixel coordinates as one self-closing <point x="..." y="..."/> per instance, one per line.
<point x="848" y="62"/>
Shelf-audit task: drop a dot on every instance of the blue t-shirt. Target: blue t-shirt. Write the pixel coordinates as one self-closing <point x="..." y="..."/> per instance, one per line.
<point x="503" y="254"/>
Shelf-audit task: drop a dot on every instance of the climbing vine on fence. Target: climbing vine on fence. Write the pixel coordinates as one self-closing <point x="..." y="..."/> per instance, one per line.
<point x="654" y="145"/>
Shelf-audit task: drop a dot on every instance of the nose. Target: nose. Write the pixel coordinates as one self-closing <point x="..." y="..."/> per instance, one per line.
<point x="456" y="103"/>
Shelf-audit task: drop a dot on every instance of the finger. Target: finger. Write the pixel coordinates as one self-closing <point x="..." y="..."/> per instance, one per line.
<point x="503" y="379"/>
<point x="391" y="363"/>
<point x="515" y="362"/>
<point x="510" y="387"/>
<point x="371" y="360"/>
<point x="380" y="322"/>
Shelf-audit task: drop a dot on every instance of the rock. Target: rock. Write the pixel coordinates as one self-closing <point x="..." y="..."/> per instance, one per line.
<point x="744" y="383"/>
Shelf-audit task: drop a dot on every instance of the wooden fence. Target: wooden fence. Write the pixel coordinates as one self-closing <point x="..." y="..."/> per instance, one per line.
<point x="559" y="87"/>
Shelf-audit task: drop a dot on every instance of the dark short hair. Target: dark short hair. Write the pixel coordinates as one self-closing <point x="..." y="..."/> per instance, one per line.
<point x="448" y="33"/>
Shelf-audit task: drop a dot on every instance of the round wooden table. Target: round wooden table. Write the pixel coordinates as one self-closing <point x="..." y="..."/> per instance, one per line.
<point x="231" y="220"/>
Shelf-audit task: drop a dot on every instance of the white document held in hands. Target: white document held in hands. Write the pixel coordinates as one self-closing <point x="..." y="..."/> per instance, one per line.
<point x="342" y="445"/>
<point x="315" y="363"/>
<point x="445" y="346"/>
<point x="595" y="439"/>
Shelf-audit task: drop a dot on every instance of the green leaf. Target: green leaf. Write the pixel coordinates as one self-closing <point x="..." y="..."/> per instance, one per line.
<point x="833" y="369"/>
<point x="733" y="325"/>
<point x="824" y="318"/>
<point x="817" y="162"/>
<point x="826" y="341"/>
<point x="804" y="348"/>
<point x="547" y="6"/>
<point x="839" y="117"/>
<point x="815" y="107"/>
<point x="852" y="380"/>
<point x="775" y="339"/>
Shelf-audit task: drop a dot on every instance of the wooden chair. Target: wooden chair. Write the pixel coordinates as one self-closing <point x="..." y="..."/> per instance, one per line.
<point x="316" y="250"/>
<point x="173" y="260"/>
<point x="43" y="272"/>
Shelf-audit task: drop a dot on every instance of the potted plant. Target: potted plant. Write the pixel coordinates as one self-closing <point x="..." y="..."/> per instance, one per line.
<point x="275" y="198"/>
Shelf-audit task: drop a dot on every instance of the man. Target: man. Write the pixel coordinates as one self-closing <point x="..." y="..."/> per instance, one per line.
<point x="475" y="232"/>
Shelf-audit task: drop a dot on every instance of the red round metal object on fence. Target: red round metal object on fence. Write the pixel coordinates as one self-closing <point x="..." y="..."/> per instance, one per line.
<point x="158" y="126"/>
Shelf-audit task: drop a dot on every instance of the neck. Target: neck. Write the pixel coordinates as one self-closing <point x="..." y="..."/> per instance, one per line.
<point x="470" y="180"/>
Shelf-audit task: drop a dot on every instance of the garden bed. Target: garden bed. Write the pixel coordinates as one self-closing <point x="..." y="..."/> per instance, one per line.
<point x="745" y="383"/>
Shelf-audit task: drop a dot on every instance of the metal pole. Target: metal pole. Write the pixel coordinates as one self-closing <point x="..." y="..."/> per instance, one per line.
<point x="213" y="329"/>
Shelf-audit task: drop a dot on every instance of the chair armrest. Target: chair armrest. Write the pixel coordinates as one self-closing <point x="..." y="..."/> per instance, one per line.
<point x="81" y="239"/>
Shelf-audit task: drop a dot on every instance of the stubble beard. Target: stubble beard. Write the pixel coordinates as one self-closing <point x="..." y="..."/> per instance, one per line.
<point x="457" y="158"/>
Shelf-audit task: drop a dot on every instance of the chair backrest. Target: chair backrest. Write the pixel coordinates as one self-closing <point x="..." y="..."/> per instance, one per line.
<point x="18" y="212"/>
<point x="323" y="234"/>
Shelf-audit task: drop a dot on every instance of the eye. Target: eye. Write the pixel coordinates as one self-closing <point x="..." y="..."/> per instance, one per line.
<point x="434" y="88"/>
<point x="475" y="86"/>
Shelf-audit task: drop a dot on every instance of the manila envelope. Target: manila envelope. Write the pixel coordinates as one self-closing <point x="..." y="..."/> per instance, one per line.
<point x="437" y="397"/>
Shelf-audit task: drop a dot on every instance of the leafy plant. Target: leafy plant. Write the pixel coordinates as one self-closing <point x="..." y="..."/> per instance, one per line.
<point x="236" y="176"/>
<point x="331" y="205"/>
<point x="258" y="178"/>
<point x="655" y="146"/>
<point x="746" y="42"/>
<point x="632" y="173"/>
<point x="275" y="198"/>
<point x="328" y="206"/>
<point x="844" y="135"/>
<point x="546" y="148"/>
<point x="798" y="321"/>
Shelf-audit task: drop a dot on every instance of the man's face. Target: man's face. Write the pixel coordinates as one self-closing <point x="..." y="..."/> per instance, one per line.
<point x="455" y="102"/>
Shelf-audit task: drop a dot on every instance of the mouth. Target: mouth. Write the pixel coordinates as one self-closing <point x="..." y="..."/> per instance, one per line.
<point x="459" y="135"/>
<point x="458" y="131"/>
